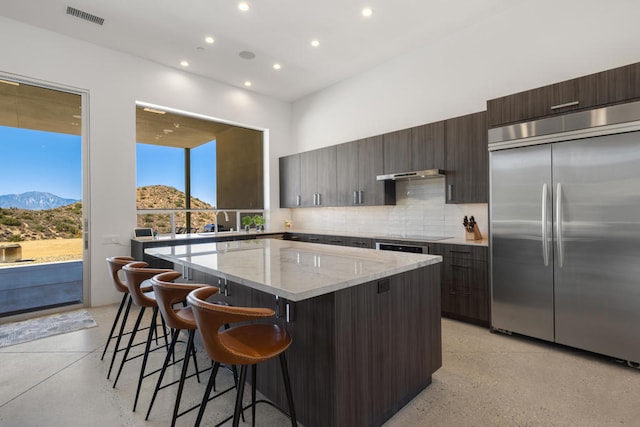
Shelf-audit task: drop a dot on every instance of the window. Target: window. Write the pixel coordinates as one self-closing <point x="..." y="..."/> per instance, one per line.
<point x="191" y="167"/>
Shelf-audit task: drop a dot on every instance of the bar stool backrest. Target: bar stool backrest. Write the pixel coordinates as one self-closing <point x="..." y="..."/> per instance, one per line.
<point x="211" y="317"/>
<point x="136" y="273"/>
<point x="115" y="264"/>
<point x="168" y="293"/>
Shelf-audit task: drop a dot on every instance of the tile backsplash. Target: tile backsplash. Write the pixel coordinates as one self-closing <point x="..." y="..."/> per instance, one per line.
<point x="420" y="210"/>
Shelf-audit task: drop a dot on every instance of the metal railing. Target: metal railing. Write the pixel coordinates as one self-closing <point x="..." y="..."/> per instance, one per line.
<point x="239" y="213"/>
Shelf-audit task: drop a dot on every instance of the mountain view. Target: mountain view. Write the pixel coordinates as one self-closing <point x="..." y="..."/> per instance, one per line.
<point x="34" y="200"/>
<point x="42" y="216"/>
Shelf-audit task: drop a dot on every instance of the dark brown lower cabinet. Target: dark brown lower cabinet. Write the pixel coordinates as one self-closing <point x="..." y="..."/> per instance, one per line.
<point x="465" y="287"/>
<point x="358" y="355"/>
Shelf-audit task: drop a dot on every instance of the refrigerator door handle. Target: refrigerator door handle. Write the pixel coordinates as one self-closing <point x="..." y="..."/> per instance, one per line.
<point x="545" y="240"/>
<point x="559" y="224"/>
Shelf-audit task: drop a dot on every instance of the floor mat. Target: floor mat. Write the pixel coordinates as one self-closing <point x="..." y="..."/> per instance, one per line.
<point x="42" y="327"/>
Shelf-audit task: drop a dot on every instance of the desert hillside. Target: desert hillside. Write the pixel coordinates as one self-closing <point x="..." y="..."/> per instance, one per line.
<point x="164" y="197"/>
<point x="60" y="223"/>
<point x="65" y="222"/>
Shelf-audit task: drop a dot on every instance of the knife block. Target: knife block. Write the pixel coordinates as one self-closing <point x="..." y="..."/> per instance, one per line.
<point x="473" y="235"/>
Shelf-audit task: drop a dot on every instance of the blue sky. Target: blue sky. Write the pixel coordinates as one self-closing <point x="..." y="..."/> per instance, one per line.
<point x="158" y="165"/>
<point x="33" y="160"/>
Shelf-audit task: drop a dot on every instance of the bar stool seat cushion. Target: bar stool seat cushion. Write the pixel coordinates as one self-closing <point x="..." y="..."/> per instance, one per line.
<point x="254" y="343"/>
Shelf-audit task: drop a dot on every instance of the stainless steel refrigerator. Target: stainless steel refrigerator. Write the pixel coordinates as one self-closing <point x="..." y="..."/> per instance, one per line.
<point x="565" y="230"/>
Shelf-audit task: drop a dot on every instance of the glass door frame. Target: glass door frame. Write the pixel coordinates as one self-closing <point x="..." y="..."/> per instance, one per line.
<point x="86" y="193"/>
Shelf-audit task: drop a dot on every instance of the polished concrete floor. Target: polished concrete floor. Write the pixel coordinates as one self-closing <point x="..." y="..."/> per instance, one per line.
<point x="486" y="380"/>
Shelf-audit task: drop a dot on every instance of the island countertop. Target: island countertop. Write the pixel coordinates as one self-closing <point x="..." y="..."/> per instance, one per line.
<point x="289" y="269"/>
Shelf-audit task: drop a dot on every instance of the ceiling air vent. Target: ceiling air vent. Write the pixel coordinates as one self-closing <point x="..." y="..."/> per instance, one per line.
<point x="84" y="15"/>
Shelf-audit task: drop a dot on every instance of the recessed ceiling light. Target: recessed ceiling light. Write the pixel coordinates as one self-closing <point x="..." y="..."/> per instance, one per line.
<point x="184" y="63"/>
<point x="209" y="40"/>
<point x="276" y="66"/>
<point x="247" y="83"/>
<point x="243" y="6"/>
<point x="315" y="43"/>
<point x="367" y="12"/>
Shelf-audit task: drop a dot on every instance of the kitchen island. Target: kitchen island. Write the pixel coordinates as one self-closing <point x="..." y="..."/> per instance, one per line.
<point x="365" y="324"/>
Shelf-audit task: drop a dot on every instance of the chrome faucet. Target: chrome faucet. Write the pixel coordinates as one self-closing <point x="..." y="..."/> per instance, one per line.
<point x="226" y="218"/>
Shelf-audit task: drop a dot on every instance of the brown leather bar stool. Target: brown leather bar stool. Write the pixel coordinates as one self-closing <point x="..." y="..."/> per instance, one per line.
<point x="115" y="264"/>
<point x="178" y="319"/>
<point x="243" y="345"/>
<point x="136" y="273"/>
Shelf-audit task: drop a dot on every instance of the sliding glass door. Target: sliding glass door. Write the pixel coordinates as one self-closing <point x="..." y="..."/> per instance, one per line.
<point x="42" y="236"/>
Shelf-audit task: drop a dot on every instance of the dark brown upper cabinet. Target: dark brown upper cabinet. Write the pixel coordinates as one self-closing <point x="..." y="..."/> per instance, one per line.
<point x="595" y="90"/>
<point x="428" y="146"/>
<point x="397" y="151"/>
<point x="318" y="179"/>
<point x="467" y="159"/>
<point x="290" y="181"/>
<point x="417" y="148"/>
<point x="358" y="165"/>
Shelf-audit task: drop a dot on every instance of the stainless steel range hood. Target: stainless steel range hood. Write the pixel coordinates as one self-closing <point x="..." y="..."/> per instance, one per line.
<point x="406" y="176"/>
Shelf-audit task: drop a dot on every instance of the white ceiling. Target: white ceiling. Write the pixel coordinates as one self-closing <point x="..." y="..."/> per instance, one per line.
<point x="169" y="31"/>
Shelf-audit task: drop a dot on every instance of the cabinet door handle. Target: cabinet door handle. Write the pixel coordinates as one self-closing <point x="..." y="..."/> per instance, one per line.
<point x="360" y="197"/>
<point x="315" y="199"/>
<point x="319" y="199"/>
<point x="298" y="200"/>
<point x="459" y="266"/>
<point x="568" y="104"/>
<point x="459" y="251"/>
<point x="450" y="192"/>
<point x="355" y="197"/>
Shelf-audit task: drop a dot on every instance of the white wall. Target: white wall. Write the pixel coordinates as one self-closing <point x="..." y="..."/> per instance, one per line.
<point x="115" y="82"/>
<point x="531" y="44"/>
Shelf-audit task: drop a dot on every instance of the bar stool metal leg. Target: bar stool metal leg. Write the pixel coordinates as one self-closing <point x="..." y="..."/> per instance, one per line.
<point x="254" y="376"/>
<point x="129" y="344"/>
<point x="238" y="407"/>
<point x="287" y="388"/>
<point x="145" y="357"/>
<point x="123" y="302"/>
<point x="207" y="392"/>
<point x="120" y="334"/>
<point x="174" y="339"/>
<point x="183" y="375"/>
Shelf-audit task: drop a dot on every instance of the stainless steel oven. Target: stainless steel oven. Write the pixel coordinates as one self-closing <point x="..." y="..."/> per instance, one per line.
<point x="403" y="247"/>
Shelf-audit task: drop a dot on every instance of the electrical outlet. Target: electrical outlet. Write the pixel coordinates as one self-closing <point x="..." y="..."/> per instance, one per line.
<point x="110" y="239"/>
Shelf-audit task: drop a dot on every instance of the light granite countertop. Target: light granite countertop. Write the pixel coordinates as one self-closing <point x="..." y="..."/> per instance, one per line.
<point x="207" y="235"/>
<point x="401" y="237"/>
<point x="376" y="236"/>
<point x="289" y="269"/>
